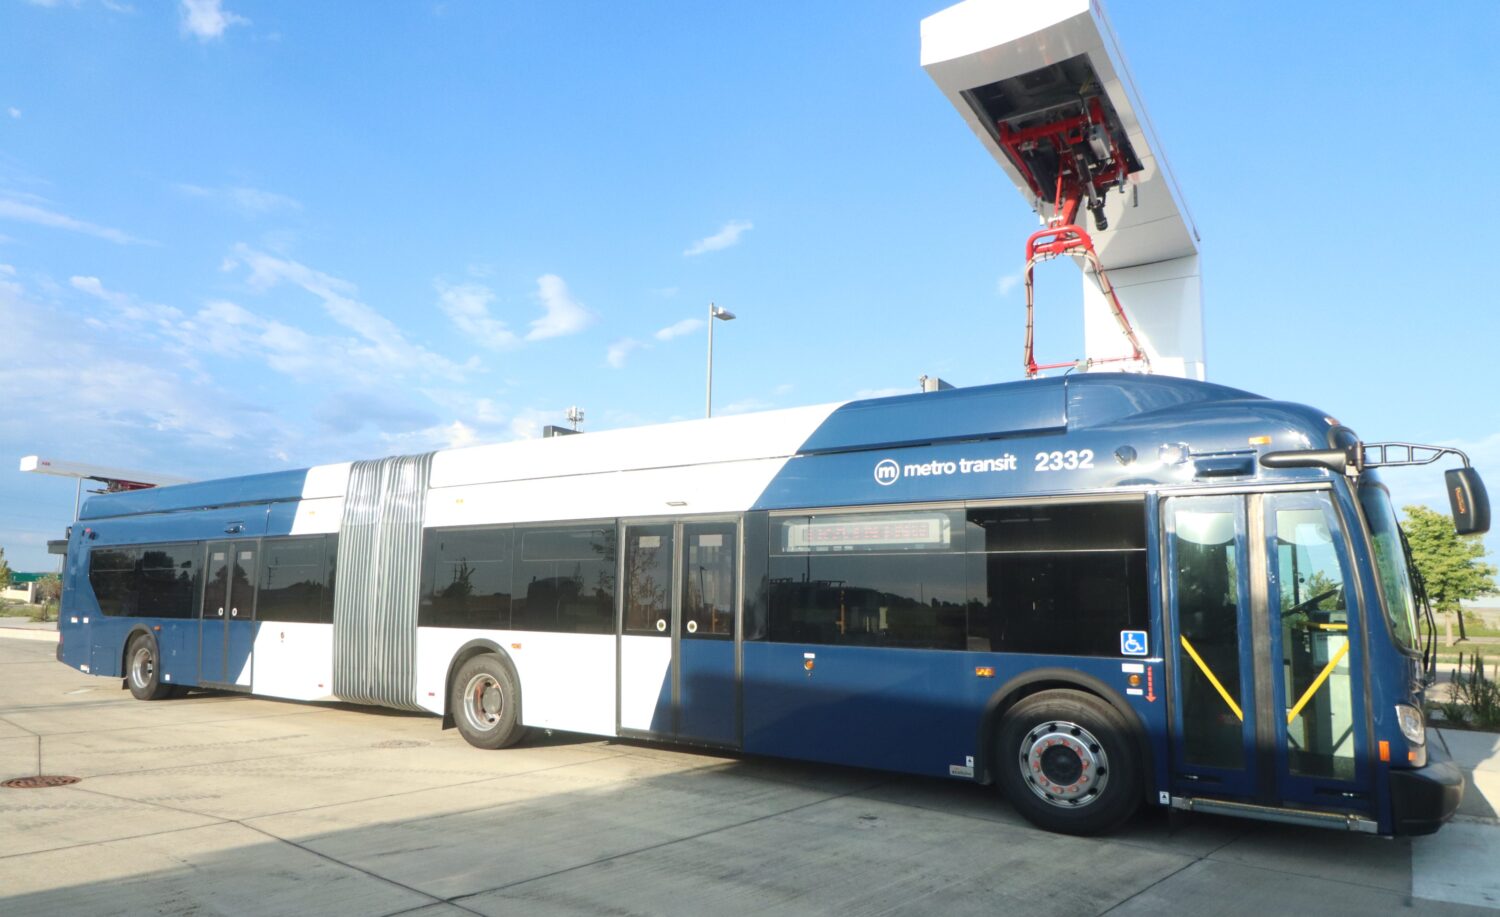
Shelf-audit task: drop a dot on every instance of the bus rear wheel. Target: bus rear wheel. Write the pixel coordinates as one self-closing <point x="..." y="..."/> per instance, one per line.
<point x="485" y="703"/>
<point x="1066" y="761"/>
<point x="143" y="670"/>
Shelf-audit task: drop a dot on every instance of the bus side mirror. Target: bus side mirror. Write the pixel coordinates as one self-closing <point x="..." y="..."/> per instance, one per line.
<point x="1470" y="502"/>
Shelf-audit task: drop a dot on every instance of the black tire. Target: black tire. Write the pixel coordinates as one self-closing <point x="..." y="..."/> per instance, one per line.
<point x="143" y="670"/>
<point x="1068" y="762"/>
<point x="485" y="701"/>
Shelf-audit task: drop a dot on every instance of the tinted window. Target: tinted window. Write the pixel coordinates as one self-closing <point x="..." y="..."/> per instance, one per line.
<point x="1059" y="602"/>
<point x="112" y="575"/>
<point x="158" y="581"/>
<point x="869" y="600"/>
<point x="168" y="580"/>
<point x="466" y="579"/>
<point x="294" y="580"/>
<point x="1064" y="578"/>
<point x="1060" y="578"/>
<point x="648" y="579"/>
<point x="565" y="580"/>
<point x="709" y="554"/>
<point x="870" y="579"/>
<point x="1062" y="527"/>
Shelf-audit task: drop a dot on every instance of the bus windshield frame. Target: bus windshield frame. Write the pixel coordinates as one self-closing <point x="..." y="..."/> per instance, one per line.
<point x="1390" y="563"/>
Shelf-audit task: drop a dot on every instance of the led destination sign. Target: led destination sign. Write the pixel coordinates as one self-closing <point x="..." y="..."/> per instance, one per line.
<point x="847" y="534"/>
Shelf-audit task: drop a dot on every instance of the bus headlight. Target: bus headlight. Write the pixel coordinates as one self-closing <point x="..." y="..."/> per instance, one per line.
<point x="1410" y="719"/>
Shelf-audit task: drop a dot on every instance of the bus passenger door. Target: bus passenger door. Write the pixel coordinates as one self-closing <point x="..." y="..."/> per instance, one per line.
<point x="1315" y="645"/>
<point x="1210" y="634"/>
<point x="707" y="689"/>
<point x="1265" y="649"/>
<point x="226" y="632"/>
<point x="678" y="653"/>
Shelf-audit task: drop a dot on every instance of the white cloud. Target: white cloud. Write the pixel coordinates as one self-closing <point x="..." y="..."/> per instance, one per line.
<point x="128" y="306"/>
<point x="133" y="407"/>
<point x="384" y="348"/>
<point x="724" y="238"/>
<point x="13" y="111"/>
<point x="620" y="350"/>
<point x="686" y="326"/>
<point x="13" y="209"/>
<point x="248" y="201"/>
<point x="1009" y="282"/>
<point x="467" y="305"/>
<point x="206" y="20"/>
<point x="564" y="315"/>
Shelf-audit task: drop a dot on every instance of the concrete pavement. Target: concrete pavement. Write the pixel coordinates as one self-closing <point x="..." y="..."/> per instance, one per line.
<point x="235" y="805"/>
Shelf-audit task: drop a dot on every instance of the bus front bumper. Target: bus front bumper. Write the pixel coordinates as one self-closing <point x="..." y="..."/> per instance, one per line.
<point x="1423" y="798"/>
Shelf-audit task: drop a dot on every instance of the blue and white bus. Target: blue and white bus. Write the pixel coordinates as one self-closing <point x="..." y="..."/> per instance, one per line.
<point x="1095" y="591"/>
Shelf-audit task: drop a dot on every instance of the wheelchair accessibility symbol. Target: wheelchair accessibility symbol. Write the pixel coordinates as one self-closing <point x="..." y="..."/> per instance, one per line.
<point x="1132" y="642"/>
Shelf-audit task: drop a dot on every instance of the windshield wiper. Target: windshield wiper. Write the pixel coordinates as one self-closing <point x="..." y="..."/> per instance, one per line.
<point x="1419" y="595"/>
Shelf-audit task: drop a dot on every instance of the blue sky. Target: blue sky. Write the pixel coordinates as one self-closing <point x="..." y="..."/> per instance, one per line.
<point x="251" y="236"/>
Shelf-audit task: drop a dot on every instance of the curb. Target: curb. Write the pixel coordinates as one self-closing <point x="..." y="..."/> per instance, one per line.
<point x="27" y="633"/>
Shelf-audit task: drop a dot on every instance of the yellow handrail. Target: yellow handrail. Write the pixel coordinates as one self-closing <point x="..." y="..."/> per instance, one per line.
<point x="1317" y="683"/>
<point x="1211" y="679"/>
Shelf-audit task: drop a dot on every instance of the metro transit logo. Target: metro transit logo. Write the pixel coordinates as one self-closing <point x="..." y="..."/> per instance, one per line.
<point x="888" y="471"/>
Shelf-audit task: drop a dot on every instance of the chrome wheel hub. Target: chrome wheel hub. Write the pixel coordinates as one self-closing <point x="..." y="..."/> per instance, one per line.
<point x="484" y="702"/>
<point x="142" y="667"/>
<point x="1064" y="764"/>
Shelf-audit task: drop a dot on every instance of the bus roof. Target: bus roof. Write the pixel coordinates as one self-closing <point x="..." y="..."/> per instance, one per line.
<point x="989" y="412"/>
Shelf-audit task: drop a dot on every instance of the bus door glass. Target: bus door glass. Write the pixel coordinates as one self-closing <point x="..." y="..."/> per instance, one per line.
<point x="677" y="631"/>
<point x="1314" y="642"/>
<point x="1265" y="653"/>
<point x="1210" y="639"/>
<point x="226" y="619"/>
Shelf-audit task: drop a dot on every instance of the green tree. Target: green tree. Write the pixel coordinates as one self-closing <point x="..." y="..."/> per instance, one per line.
<point x="49" y="589"/>
<point x="4" y="571"/>
<point x="1451" y="565"/>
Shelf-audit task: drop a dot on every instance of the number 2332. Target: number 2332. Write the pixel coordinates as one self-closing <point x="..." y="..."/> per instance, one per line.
<point x="1070" y="460"/>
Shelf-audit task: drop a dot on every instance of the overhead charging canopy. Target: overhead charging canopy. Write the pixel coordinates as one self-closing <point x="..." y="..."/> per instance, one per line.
<point x="1045" y="89"/>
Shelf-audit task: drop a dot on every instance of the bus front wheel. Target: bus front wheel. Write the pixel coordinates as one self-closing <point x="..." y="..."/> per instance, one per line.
<point x="1066" y="761"/>
<point x="143" y="670"/>
<point x="485" y="703"/>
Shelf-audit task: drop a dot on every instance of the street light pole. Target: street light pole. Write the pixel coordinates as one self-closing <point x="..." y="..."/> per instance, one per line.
<point x="723" y="315"/>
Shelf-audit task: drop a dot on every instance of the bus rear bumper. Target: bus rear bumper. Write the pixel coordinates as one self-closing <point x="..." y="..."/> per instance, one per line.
<point x="1423" y="798"/>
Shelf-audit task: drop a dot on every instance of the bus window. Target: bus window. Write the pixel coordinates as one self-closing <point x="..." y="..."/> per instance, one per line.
<point x="155" y="581"/>
<point x="112" y="576"/>
<point x="869" y="579"/>
<point x="466" y="578"/>
<point x="1060" y="578"/>
<point x="565" y="580"/>
<point x="1210" y="604"/>
<point x="708" y="579"/>
<point x="293" y="578"/>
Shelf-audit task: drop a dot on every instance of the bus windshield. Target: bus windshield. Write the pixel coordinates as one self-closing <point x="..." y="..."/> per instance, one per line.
<point x="1390" y="562"/>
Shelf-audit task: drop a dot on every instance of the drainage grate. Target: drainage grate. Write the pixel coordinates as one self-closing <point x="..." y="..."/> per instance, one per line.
<point x="39" y="782"/>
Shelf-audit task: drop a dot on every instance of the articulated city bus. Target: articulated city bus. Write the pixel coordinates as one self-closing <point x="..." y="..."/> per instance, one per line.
<point x="1094" y="591"/>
